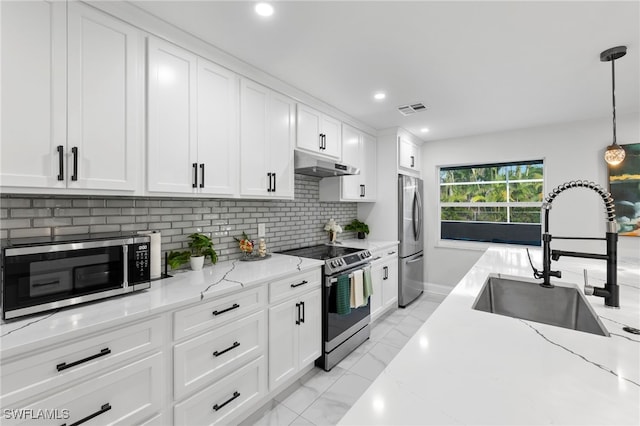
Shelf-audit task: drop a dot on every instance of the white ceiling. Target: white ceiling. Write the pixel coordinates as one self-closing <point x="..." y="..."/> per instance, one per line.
<point x="479" y="66"/>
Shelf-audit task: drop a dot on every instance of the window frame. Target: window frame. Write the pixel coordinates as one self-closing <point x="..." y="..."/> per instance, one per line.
<point x="475" y="244"/>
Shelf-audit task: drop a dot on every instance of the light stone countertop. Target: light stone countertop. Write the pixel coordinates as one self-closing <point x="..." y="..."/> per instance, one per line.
<point x="470" y="367"/>
<point x="184" y="288"/>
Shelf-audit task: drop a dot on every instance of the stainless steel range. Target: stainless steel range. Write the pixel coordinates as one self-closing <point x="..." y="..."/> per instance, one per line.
<point x="341" y="333"/>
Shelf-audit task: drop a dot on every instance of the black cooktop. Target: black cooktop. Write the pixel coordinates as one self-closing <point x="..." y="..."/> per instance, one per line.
<point x="321" y="252"/>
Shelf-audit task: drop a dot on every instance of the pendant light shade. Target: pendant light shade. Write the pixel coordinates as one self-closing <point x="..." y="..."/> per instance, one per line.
<point x="614" y="154"/>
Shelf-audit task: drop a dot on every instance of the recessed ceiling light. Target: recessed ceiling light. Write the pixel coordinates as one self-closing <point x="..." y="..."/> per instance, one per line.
<point x="379" y="96"/>
<point x="264" y="9"/>
<point x="424" y="130"/>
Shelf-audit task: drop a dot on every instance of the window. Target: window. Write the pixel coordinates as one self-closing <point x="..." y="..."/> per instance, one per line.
<point x="492" y="202"/>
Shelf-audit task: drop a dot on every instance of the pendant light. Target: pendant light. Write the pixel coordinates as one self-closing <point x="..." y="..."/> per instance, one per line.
<point x="614" y="153"/>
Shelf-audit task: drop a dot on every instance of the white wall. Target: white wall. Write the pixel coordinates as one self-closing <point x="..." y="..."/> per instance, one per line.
<point x="570" y="151"/>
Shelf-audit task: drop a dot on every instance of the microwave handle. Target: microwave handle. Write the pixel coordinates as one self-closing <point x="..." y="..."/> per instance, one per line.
<point x="125" y="266"/>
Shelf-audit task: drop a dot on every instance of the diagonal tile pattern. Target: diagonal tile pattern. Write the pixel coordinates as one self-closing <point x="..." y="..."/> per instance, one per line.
<point x="321" y="398"/>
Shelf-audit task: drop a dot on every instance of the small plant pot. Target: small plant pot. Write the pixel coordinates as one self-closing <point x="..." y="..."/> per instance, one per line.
<point x="196" y="262"/>
<point x="361" y="235"/>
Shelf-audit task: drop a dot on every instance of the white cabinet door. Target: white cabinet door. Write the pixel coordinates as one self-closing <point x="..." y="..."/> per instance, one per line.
<point x="408" y="155"/>
<point x="390" y="282"/>
<point x="331" y="129"/>
<point x="369" y="168"/>
<point x="172" y="144"/>
<point x="254" y="100"/>
<point x="34" y="100"/>
<point x="283" y="342"/>
<point x="266" y="142"/>
<point x="104" y="101"/>
<point x="281" y="142"/>
<point x="317" y="132"/>
<point x="217" y="134"/>
<point x="375" y="301"/>
<point x="308" y="129"/>
<point x="310" y="330"/>
<point x="352" y="155"/>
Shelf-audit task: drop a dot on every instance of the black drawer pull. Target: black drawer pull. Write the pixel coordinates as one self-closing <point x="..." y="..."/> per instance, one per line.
<point x="106" y="407"/>
<point x="219" y="406"/>
<point x="235" y="306"/>
<point x="299" y="284"/>
<point x="60" y="162"/>
<point x="235" y="345"/>
<point x="64" y="365"/>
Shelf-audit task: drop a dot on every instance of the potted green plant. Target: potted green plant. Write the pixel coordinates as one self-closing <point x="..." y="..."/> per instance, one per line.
<point x="200" y="247"/>
<point x="356" y="226"/>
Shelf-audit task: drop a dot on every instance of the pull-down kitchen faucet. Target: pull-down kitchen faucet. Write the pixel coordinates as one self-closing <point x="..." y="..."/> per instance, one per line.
<point x="610" y="292"/>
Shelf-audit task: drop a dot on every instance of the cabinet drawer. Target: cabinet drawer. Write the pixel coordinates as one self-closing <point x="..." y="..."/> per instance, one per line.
<point x="72" y="360"/>
<point x="219" y="311"/>
<point x="128" y="395"/>
<point x="208" y="357"/>
<point x="294" y="285"/>
<point x="225" y="399"/>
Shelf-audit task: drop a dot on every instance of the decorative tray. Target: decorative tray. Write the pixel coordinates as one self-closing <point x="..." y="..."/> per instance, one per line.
<point x="254" y="257"/>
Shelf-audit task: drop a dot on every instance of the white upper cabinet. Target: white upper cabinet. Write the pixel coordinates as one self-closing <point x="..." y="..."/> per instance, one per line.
<point x="192" y="113"/>
<point x="359" y="150"/>
<point x="71" y="101"/>
<point x="34" y="98"/>
<point x="408" y="156"/>
<point x="266" y="142"/>
<point x="105" y="94"/>
<point x="317" y="132"/>
<point x="217" y="129"/>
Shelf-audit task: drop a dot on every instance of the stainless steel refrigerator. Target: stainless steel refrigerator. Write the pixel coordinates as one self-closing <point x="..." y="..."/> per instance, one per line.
<point x="411" y="235"/>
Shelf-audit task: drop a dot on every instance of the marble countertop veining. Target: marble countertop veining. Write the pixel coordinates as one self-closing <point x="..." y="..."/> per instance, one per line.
<point x="470" y="367"/>
<point x="184" y="288"/>
<point x="367" y="244"/>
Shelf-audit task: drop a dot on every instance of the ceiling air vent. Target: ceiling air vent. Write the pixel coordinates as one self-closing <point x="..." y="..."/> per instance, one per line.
<point x="411" y="109"/>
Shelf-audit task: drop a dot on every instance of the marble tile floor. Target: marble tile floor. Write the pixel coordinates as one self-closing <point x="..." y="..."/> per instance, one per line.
<point x="321" y="398"/>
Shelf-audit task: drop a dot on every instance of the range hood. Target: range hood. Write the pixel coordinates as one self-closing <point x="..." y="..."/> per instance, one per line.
<point x="311" y="165"/>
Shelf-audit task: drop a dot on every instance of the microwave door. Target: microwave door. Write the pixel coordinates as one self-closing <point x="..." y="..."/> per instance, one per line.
<point x="46" y="283"/>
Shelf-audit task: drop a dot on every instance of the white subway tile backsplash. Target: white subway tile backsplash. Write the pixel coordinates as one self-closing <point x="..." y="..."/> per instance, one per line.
<point x="289" y="223"/>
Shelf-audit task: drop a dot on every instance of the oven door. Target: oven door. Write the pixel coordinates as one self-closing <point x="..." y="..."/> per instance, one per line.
<point x="35" y="282"/>
<point x="339" y="327"/>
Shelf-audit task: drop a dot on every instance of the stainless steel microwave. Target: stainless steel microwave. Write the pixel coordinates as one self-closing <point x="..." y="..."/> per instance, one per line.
<point x="39" y="275"/>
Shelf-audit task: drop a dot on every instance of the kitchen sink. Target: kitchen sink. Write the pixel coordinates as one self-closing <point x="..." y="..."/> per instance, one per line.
<point x="517" y="297"/>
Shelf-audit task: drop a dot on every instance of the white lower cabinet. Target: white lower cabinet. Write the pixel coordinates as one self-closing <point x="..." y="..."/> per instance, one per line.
<point x="384" y="277"/>
<point x="217" y="352"/>
<point x="127" y="395"/>
<point x="226" y="398"/>
<point x="295" y="330"/>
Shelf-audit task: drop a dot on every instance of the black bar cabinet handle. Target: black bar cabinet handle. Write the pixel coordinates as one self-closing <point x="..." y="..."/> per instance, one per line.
<point x="303" y="282"/>
<point x="324" y="141"/>
<point x="219" y="406"/>
<point x="232" y="307"/>
<point x="298" y="318"/>
<point x="269" y="178"/>
<point x="74" y="151"/>
<point x="386" y="273"/>
<point x="60" y="162"/>
<point x="235" y="345"/>
<point x="302" y="319"/>
<point x="105" y="407"/>
<point x="412" y="161"/>
<point x="274" y="182"/>
<point x="64" y="365"/>
<point x="195" y="175"/>
<point x="202" y="176"/>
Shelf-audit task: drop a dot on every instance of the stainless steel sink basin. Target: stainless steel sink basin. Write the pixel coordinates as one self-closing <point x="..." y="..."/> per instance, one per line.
<point x="516" y="297"/>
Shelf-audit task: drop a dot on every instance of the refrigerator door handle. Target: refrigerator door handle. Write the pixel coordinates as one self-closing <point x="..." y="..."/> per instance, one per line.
<point x="417" y="259"/>
<point x="414" y="222"/>
<point x="419" y="215"/>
